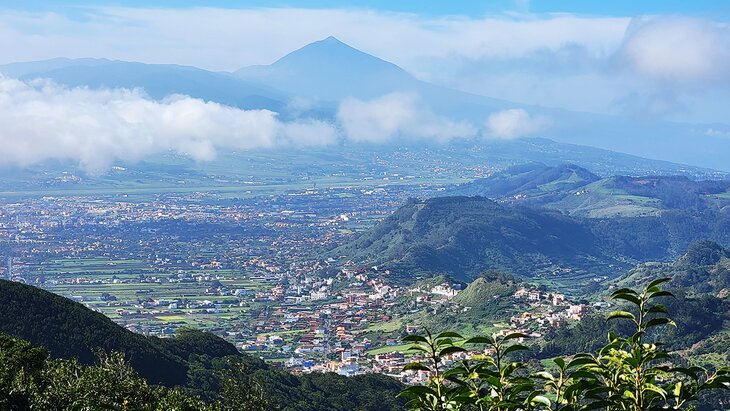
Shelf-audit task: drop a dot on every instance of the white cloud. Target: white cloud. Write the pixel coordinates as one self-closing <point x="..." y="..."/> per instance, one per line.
<point x="298" y="105"/>
<point x="678" y="50"/>
<point x="715" y="132"/>
<point x="396" y="115"/>
<point x="43" y="121"/>
<point x="514" y="123"/>
<point x="667" y="67"/>
<point x="96" y="128"/>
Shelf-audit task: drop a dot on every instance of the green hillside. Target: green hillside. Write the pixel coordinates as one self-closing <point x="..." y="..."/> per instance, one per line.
<point x="486" y="288"/>
<point x="483" y="302"/>
<point x="700" y="307"/>
<point x="704" y="269"/>
<point x="464" y="236"/>
<point x="70" y="330"/>
<point x="577" y="191"/>
<point x="644" y="196"/>
<point x="533" y="180"/>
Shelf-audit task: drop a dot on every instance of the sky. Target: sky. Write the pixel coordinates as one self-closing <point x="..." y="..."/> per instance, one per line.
<point x="572" y="54"/>
<point x="657" y="59"/>
<point x="473" y="8"/>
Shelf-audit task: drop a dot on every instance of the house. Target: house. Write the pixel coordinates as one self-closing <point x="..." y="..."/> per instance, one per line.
<point x="558" y="299"/>
<point x="349" y="369"/>
<point x="348" y="355"/>
<point x="577" y="312"/>
<point x="445" y="290"/>
<point x="521" y="293"/>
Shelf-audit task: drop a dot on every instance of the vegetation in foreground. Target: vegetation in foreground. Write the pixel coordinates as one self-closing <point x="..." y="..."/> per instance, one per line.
<point x="628" y="373"/>
<point x="634" y="372"/>
<point x="56" y="354"/>
<point x="31" y="380"/>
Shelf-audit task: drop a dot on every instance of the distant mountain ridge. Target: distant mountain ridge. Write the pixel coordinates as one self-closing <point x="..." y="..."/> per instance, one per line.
<point x="31" y="68"/>
<point x="576" y="191"/>
<point x="324" y="72"/>
<point x="157" y="80"/>
<point x="346" y="70"/>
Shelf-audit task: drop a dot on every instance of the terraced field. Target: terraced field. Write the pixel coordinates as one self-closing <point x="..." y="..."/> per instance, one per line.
<point x="127" y="292"/>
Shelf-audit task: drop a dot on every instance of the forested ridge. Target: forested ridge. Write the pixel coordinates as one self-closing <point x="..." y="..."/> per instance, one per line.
<point x="464" y="236"/>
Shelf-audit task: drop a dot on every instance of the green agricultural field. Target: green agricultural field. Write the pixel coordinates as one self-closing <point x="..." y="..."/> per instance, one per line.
<point x="637" y="199"/>
<point x="68" y="262"/>
<point x="473" y="330"/>
<point x="171" y="318"/>
<point x="152" y="189"/>
<point x="622" y="210"/>
<point x="129" y="291"/>
<point x="245" y="284"/>
<point x="556" y="184"/>
<point x="389" y="349"/>
<point x="387" y="327"/>
<point x="90" y="266"/>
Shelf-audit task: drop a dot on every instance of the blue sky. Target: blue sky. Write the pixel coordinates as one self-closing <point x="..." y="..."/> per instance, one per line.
<point x="429" y="7"/>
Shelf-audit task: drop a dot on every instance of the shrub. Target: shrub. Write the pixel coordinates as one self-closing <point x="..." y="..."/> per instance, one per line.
<point x="628" y="373"/>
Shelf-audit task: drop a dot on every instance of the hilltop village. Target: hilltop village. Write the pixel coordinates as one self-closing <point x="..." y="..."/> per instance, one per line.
<point x="350" y="323"/>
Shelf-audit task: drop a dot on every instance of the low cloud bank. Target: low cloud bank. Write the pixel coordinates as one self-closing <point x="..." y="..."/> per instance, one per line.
<point x="397" y="115"/>
<point x="43" y="121"/>
<point x="514" y="123"/>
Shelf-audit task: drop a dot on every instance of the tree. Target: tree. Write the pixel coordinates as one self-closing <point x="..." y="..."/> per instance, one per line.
<point x="21" y="366"/>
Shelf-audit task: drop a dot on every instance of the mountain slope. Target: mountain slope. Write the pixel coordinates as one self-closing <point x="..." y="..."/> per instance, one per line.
<point x="354" y="159"/>
<point x="330" y="70"/>
<point x="68" y="329"/>
<point x="704" y="268"/>
<point x="325" y="72"/>
<point x="31" y="68"/>
<point x="158" y="81"/>
<point x="199" y="362"/>
<point x="530" y="180"/>
<point x="464" y="236"/>
<point x="651" y="195"/>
